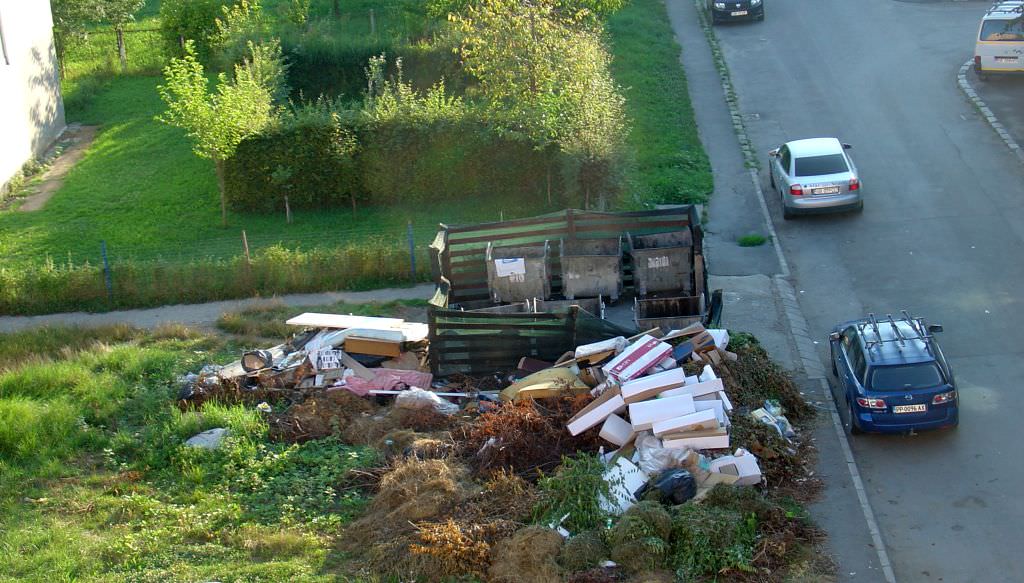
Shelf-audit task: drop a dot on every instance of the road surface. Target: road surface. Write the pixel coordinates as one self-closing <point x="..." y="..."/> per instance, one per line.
<point x="941" y="235"/>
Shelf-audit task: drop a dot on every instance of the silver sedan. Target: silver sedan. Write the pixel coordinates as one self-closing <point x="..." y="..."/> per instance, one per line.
<point x="815" y="175"/>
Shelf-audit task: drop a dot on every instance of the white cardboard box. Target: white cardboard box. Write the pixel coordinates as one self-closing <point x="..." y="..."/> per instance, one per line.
<point x="716" y="405"/>
<point x="597" y="411"/>
<point x="699" y="420"/>
<point x="650" y="386"/>
<point x="742" y="464"/>
<point x="697" y="390"/>
<point x="625" y="479"/>
<point x="616" y="430"/>
<point x="637" y="357"/>
<point x="709" y="439"/>
<point x="645" y="414"/>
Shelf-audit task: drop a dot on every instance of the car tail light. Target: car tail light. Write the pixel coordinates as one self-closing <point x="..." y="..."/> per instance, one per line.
<point x="947" y="397"/>
<point x="977" y="61"/>
<point x="796" y="190"/>
<point x="854" y="184"/>
<point x="871" y="403"/>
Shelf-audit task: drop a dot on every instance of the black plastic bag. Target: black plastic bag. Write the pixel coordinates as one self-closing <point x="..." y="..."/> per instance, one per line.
<point x="674" y="486"/>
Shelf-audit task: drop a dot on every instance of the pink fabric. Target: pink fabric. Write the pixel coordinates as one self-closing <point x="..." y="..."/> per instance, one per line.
<point x="386" y="379"/>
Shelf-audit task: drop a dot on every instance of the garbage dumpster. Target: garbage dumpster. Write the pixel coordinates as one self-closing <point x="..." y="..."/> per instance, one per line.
<point x="662" y="262"/>
<point x="516" y="274"/>
<point x="668" y="313"/>
<point x="591" y="268"/>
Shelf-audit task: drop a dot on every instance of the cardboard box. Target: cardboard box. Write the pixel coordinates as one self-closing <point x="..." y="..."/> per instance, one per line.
<point x="650" y="386"/>
<point x="742" y="464"/>
<point x="372" y="347"/>
<point x="645" y="414"/>
<point x="697" y="390"/>
<point x="697" y="421"/>
<point x="716" y="405"/>
<point x="617" y="430"/>
<point x="597" y="411"/>
<point x="707" y="439"/>
<point x="625" y="478"/>
<point x="637" y="358"/>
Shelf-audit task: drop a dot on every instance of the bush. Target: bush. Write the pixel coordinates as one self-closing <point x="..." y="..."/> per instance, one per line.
<point x="707" y="540"/>
<point x="308" y="157"/>
<point x="192" y="20"/>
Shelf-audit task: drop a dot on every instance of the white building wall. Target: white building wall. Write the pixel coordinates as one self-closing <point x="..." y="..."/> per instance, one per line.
<point x="31" y="108"/>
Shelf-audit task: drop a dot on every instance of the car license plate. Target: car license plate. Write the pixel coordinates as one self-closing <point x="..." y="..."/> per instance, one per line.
<point x="910" y="408"/>
<point x="1006" y="59"/>
<point x="826" y="190"/>
<point x="740" y="13"/>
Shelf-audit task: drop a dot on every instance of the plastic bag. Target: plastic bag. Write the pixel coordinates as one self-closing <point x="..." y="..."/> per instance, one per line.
<point x="671" y="486"/>
<point x="415" y="398"/>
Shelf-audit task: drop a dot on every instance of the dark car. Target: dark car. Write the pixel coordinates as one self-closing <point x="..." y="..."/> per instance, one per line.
<point x="893" y="375"/>
<point x="735" y="10"/>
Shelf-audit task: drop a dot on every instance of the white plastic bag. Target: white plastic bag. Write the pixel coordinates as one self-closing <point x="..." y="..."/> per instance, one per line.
<point x="416" y="398"/>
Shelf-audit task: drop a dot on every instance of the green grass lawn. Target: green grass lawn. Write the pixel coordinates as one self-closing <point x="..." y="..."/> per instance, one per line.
<point x="96" y="484"/>
<point x="142" y="190"/>
<point x="671" y="165"/>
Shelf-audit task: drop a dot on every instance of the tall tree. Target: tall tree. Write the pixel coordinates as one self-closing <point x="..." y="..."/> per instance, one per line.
<point x="218" y="121"/>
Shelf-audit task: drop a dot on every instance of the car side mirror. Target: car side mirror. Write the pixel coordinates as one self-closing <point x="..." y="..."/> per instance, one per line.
<point x="773" y="153"/>
<point x="934" y="328"/>
<point x="834" y="337"/>
<point x="847" y="146"/>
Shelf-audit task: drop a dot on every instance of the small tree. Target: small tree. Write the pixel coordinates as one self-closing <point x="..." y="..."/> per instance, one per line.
<point x="240" y="107"/>
<point x="70" y="18"/>
<point x="120" y="13"/>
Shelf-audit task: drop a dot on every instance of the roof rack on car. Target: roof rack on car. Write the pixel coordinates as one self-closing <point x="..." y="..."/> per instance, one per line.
<point x="1006" y="6"/>
<point x="916" y="324"/>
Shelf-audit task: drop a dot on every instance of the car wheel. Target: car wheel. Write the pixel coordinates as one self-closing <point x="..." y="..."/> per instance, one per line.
<point x="982" y="77"/>
<point x="787" y="214"/>
<point x="854" y="429"/>
<point x="760" y="18"/>
<point x="771" y="177"/>
<point x="832" y="355"/>
<point x="859" y="208"/>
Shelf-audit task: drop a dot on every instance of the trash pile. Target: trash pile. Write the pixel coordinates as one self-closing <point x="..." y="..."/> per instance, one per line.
<point x="663" y="422"/>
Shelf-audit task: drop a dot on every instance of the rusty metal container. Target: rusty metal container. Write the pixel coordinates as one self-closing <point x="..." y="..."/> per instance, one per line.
<point x="662" y="262"/>
<point x="668" y="313"/>
<point x="591" y="268"/>
<point x="516" y="274"/>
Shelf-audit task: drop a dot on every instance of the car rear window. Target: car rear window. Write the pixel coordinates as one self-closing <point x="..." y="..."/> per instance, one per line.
<point x="902" y="377"/>
<point x="1002" y="30"/>
<point x="819" y="165"/>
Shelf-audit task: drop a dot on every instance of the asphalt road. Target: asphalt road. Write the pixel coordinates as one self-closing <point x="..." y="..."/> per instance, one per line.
<point x="941" y="235"/>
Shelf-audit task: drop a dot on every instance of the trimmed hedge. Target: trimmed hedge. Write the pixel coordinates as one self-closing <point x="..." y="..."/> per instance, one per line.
<point x="396" y="160"/>
<point x="309" y="159"/>
<point x="336" y="67"/>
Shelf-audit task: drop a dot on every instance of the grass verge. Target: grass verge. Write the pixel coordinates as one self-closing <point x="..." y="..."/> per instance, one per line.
<point x="670" y="163"/>
<point x="95" y="483"/>
<point x="751" y="240"/>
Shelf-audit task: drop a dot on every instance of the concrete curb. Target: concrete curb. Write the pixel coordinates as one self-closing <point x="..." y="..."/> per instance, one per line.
<point x="993" y="121"/>
<point x="807" y="354"/>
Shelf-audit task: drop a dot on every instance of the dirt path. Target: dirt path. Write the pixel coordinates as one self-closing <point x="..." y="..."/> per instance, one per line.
<point x="76" y="140"/>
<point x="205" y="315"/>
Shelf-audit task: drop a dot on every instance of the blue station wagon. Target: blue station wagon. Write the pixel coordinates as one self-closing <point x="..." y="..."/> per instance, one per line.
<point x="893" y="375"/>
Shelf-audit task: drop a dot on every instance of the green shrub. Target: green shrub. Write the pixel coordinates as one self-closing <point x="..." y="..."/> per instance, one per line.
<point x="575" y="489"/>
<point x="706" y="540"/>
<point x="192" y="20"/>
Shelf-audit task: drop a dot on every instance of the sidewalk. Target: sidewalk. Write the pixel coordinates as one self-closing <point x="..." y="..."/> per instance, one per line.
<point x="205" y="315"/>
<point x="1004" y="97"/>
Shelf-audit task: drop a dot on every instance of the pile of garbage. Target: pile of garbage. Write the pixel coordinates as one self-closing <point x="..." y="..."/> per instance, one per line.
<point x="672" y="420"/>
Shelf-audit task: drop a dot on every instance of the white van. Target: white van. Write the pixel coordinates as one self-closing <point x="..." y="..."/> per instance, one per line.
<point x="1000" y="45"/>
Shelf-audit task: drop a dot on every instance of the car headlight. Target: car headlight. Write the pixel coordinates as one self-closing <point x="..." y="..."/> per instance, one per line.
<point x="755" y="2"/>
<point x="720" y="5"/>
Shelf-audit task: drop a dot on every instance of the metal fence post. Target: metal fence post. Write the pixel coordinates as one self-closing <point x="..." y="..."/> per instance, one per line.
<point x="106" y="271"/>
<point x="412" y="253"/>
